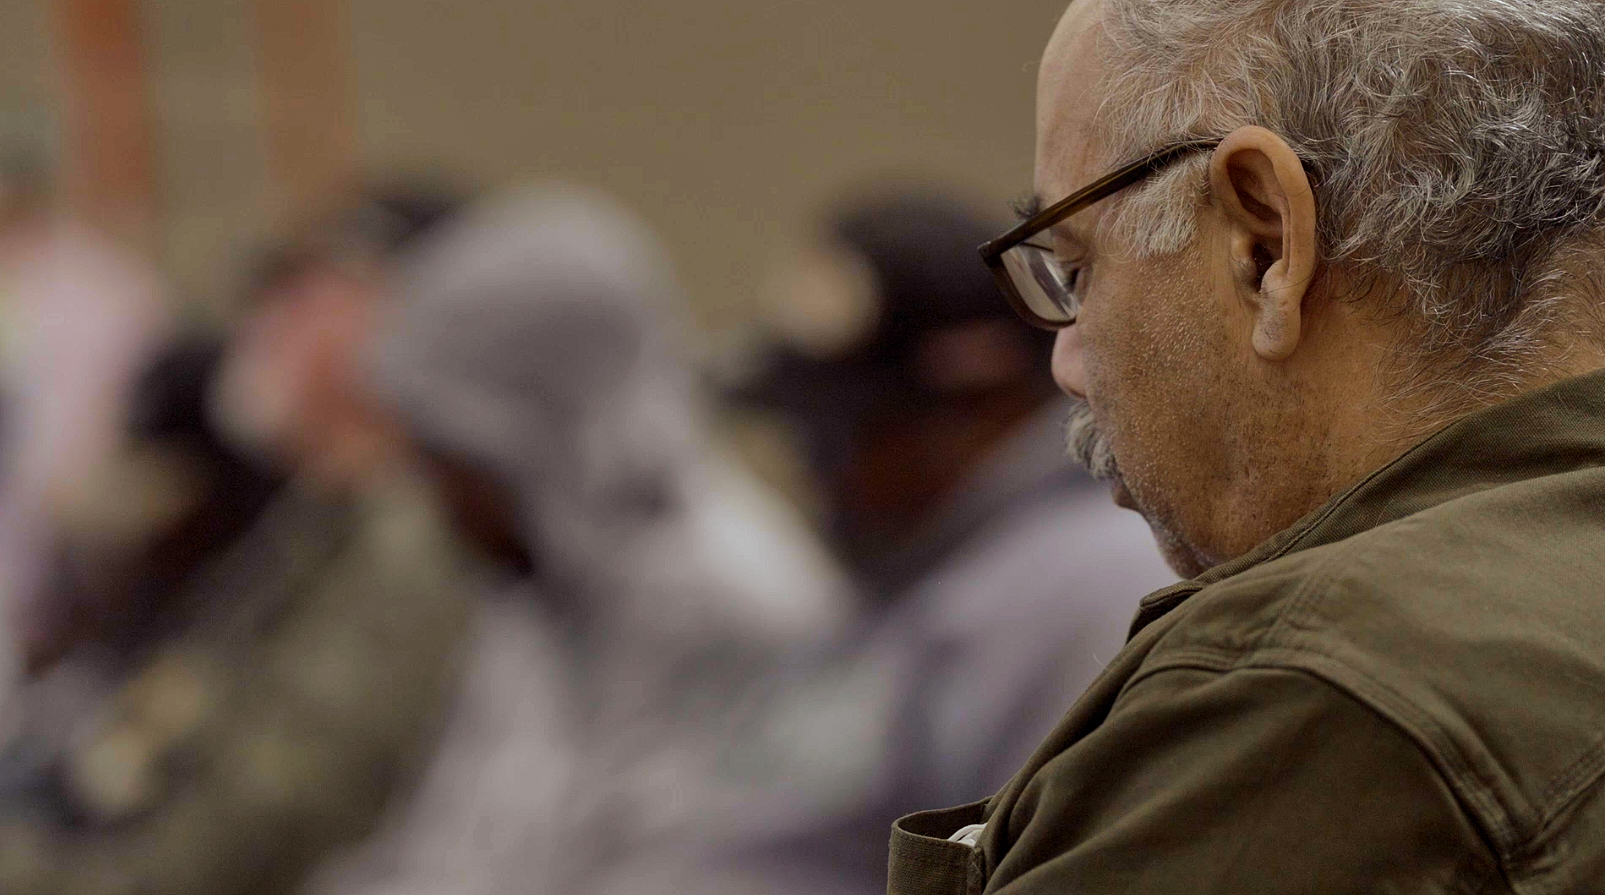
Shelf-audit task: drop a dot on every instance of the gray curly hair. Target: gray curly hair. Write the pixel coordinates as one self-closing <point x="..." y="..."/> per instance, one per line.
<point x="1457" y="149"/>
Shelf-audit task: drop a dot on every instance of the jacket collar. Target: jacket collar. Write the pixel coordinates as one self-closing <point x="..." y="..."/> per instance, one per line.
<point x="1556" y="429"/>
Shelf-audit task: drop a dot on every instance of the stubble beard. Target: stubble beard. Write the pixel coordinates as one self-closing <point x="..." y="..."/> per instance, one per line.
<point x="1090" y="446"/>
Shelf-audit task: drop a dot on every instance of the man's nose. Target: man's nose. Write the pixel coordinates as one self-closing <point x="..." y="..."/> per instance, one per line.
<point x="1070" y="362"/>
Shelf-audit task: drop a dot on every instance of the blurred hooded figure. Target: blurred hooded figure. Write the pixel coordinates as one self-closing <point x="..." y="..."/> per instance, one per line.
<point x="536" y="361"/>
<point x="1000" y="578"/>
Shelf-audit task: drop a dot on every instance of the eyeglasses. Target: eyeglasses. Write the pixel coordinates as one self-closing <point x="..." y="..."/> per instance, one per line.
<point x="1030" y="275"/>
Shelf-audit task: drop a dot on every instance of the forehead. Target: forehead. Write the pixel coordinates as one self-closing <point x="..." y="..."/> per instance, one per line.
<point x="1067" y="102"/>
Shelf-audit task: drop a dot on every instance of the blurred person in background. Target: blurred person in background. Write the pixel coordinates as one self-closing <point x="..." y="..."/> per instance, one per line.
<point x="116" y="591"/>
<point x="271" y="697"/>
<point x="1001" y="578"/>
<point x="80" y="316"/>
<point x="536" y="361"/>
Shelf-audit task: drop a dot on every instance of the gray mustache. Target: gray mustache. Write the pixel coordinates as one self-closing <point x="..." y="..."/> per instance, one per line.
<point x="1088" y="445"/>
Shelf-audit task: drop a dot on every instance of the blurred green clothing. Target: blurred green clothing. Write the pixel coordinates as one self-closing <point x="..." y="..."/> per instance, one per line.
<point x="277" y="724"/>
<point x="1404" y="692"/>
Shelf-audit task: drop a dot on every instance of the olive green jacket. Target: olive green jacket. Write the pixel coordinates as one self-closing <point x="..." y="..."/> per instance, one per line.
<point x="1404" y="692"/>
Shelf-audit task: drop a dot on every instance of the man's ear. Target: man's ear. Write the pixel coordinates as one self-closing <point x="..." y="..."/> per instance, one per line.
<point x="1260" y="185"/>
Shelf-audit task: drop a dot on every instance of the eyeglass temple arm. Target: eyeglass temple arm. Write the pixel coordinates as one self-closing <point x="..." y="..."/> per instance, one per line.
<point x="1107" y="185"/>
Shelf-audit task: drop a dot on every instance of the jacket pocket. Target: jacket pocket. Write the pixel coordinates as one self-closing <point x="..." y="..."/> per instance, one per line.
<point x="925" y="862"/>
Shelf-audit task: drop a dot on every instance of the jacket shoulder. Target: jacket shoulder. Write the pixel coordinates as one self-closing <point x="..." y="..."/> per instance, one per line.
<point x="1477" y="627"/>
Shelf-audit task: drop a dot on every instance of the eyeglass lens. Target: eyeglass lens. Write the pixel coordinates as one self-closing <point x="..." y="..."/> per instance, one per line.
<point x="1041" y="284"/>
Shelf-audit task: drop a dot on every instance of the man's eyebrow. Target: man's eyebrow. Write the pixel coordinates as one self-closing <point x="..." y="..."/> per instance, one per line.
<point x="1031" y="205"/>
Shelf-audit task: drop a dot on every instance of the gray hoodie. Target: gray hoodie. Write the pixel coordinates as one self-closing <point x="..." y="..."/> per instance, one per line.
<point x="536" y="338"/>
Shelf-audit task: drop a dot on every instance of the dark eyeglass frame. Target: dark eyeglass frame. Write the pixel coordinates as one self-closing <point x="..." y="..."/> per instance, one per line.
<point x="1102" y="188"/>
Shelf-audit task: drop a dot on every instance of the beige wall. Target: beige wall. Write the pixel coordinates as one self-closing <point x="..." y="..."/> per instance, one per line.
<point x="725" y="122"/>
<point x="27" y="112"/>
<point x="212" y="163"/>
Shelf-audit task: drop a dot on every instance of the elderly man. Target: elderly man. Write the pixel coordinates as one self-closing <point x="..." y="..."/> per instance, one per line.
<point x="1327" y="275"/>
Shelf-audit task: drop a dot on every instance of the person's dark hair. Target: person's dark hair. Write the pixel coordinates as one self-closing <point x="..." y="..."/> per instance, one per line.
<point x="169" y="407"/>
<point x="148" y="599"/>
<point x="385" y="222"/>
<point x="919" y="246"/>
<point x="169" y="398"/>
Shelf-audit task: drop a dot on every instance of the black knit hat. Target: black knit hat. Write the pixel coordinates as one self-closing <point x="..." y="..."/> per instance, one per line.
<point x="929" y="281"/>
